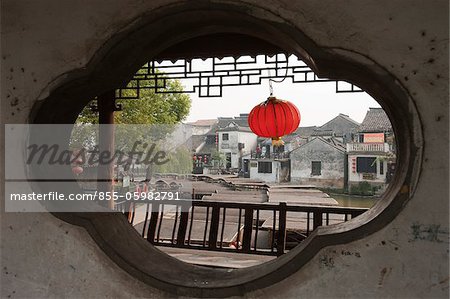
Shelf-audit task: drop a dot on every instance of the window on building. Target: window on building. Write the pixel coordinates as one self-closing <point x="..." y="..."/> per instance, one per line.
<point x="366" y="165"/>
<point x="225" y="136"/>
<point x="264" y="167"/>
<point x="381" y="167"/>
<point x="316" y="167"/>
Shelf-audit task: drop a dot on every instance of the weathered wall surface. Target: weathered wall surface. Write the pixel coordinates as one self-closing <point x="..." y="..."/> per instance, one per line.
<point x="332" y="164"/>
<point x="231" y="145"/>
<point x="43" y="256"/>
<point x="273" y="177"/>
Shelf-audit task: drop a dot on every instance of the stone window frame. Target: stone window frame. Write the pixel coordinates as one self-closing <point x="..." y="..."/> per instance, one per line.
<point x="128" y="49"/>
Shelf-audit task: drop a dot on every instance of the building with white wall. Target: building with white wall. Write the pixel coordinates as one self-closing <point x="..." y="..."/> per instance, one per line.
<point x="234" y="142"/>
<point x="367" y="165"/>
<point x="371" y="158"/>
<point x="269" y="170"/>
<point x="319" y="162"/>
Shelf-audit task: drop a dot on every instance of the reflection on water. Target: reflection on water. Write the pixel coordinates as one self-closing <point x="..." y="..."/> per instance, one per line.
<point x="355" y="201"/>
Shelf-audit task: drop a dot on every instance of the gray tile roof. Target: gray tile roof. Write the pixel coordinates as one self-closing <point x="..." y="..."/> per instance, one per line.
<point x="203" y="122"/>
<point x="305" y="131"/>
<point x="376" y="120"/>
<point x="241" y="121"/>
<point x="236" y="128"/>
<point x="195" y="141"/>
<point x="323" y="133"/>
<point x="222" y="124"/>
<point x="340" y="125"/>
<point x="208" y="148"/>
<point x="330" y="142"/>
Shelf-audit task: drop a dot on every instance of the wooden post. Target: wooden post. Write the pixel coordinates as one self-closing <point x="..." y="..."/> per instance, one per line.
<point x="151" y="232"/>
<point x="214" y="227"/>
<point x="105" y="171"/>
<point x="248" y="226"/>
<point x="181" y="236"/>
<point x="281" y="229"/>
<point x="317" y="219"/>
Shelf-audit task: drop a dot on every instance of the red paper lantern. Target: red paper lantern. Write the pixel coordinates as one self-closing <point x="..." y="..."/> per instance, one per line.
<point x="274" y="118"/>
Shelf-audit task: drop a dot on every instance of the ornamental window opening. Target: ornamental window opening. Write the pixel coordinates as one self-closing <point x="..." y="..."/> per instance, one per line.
<point x="204" y="222"/>
<point x="223" y="196"/>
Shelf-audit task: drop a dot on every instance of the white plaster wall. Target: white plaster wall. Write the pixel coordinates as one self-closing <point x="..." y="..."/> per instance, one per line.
<point x="266" y="177"/>
<point x="332" y="166"/>
<point x="358" y="177"/>
<point x="42" y="256"/>
<point x="231" y="145"/>
<point x="234" y="160"/>
<point x="249" y="140"/>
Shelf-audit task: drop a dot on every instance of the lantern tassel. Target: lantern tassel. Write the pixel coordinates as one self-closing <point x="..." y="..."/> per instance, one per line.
<point x="277" y="141"/>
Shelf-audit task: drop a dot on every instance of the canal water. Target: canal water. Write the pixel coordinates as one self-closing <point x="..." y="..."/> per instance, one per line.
<point x="345" y="200"/>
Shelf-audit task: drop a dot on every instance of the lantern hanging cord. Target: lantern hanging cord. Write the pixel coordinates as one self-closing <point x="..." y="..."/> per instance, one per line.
<point x="278" y="81"/>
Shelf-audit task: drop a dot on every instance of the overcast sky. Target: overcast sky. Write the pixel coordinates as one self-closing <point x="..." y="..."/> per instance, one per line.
<point x="317" y="102"/>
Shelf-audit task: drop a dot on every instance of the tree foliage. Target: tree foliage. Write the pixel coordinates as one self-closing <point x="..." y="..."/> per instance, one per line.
<point x="150" y="108"/>
<point x="153" y="117"/>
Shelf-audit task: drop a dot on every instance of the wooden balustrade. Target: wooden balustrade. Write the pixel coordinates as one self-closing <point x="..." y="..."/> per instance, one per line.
<point x="214" y="223"/>
<point x="367" y="147"/>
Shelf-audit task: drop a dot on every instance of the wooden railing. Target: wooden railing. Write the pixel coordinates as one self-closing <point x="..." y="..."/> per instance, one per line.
<point x="245" y="222"/>
<point x="367" y="147"/>
<point x="269" y="155"/>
